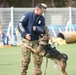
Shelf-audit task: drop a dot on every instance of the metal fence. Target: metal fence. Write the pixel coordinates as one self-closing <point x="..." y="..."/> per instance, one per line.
<point x="53" y="16"/>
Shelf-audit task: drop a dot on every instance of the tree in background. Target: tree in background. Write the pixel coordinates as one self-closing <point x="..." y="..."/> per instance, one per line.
<point x="32" y="3"/>
<point x="4" y="3"/>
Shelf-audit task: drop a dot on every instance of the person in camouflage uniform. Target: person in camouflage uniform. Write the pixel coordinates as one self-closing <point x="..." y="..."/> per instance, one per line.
<point x="31" y="25"/>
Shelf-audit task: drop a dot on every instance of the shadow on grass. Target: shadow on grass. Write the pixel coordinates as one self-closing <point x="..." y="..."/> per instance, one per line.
<point x="72" y="74"/>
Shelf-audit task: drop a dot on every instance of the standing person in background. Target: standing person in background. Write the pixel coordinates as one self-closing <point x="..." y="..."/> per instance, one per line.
<point x="31" y="25"/>
<point x="3" y="37"/>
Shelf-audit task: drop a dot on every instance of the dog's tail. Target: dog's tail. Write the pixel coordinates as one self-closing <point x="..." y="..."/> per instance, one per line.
<point x="65" y="56"/>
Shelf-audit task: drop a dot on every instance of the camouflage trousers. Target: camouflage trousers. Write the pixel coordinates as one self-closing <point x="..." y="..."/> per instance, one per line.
<point x="27" y="57"/>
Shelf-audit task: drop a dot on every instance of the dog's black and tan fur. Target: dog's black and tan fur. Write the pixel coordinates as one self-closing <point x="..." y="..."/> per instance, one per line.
<point x="47" y="51"/>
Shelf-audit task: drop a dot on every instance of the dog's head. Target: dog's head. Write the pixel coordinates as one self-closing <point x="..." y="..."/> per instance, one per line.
<point x="44" y="38"/>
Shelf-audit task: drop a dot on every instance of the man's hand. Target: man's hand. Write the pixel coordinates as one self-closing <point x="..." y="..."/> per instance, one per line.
<point x="34" y="28"/>
<point x="28" y="37"/>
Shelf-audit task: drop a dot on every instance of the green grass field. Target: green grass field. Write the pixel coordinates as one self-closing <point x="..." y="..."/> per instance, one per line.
<point x="10" y="61"/>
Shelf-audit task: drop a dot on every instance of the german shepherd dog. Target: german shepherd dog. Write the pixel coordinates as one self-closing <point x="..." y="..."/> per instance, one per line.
<point x="47" y="51"/>
<point x="60" y="59"/>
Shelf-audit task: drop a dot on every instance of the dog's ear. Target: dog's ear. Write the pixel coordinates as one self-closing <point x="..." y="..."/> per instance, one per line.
<point x="47" y="32"/>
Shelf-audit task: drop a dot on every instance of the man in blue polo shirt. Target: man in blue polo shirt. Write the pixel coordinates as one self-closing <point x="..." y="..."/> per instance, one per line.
<point x="30" y="26"/>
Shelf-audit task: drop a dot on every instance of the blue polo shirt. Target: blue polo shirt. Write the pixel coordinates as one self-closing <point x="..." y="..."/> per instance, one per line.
<point x="26" y="23"/>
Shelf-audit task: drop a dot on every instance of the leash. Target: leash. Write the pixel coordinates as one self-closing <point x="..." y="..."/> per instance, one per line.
<point x="46" y="66"/>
